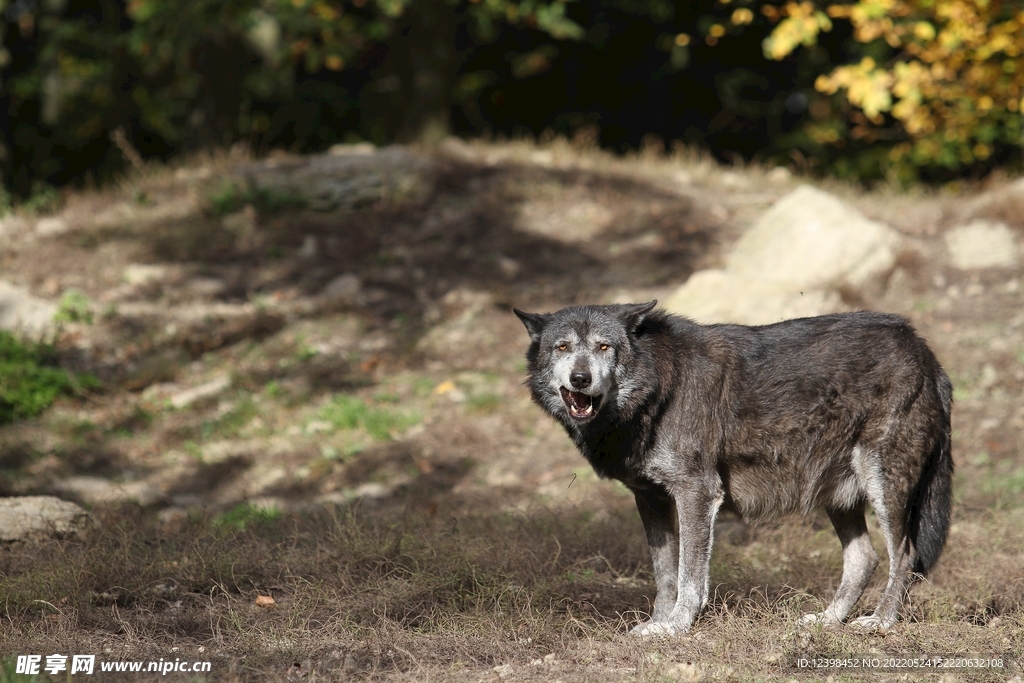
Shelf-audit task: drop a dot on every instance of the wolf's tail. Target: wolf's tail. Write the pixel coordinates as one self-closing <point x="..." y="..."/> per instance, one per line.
<point x="929" y="516"/>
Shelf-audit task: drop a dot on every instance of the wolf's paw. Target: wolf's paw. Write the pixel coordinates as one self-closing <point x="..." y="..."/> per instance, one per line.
<point x="822" y="618"/>
<point x="872" y="623"/>
<point x="656" y="629"/>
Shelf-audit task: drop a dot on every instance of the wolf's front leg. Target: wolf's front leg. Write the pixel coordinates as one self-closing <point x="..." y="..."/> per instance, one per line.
<point x="658" y="513"/>
<point x="697" y="504"/>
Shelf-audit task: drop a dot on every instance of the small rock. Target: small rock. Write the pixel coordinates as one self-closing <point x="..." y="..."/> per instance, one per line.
<point x="36" y="517"/>
<point x="142" y="273"/>
<point x="358" y="149"/>
<point x="344" y="289"/>
<point x="209" y="390"/>
<point x="982" y="244"/>
<point x="22" y="313"/>
<point x="509" y="267"/>
<point x="309" y="248"/>
<point x="503" y="670"/>
<point x="52" y="225"/>
<point x="206" y="286"/>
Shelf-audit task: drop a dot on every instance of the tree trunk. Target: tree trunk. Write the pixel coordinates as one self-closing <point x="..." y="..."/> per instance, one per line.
<point x="428" y="64"/>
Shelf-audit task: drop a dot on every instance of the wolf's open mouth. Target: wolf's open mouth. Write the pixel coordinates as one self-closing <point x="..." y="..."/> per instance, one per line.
<point x="581" y="406"/>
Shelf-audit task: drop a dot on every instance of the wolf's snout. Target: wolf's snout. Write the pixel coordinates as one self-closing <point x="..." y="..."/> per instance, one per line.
<point x="580" y="379"/>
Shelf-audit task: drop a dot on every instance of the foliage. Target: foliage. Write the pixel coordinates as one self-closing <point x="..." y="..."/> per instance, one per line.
<point x="176" y="76"/>
<point x="29" y="380"/>
<point x="74" y="307"/>
<point x="945" y="86"/>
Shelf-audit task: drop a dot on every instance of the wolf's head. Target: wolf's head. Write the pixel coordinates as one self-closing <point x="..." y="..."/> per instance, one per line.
<point x="577" y="358"/>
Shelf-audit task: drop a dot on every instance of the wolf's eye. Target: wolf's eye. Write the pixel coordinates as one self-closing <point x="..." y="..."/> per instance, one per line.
<point x="563" y="347"/>
<point x="603" y="347"/>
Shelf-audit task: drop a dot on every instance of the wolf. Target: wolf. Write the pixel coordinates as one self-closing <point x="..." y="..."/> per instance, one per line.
<point x="837" y="412"/>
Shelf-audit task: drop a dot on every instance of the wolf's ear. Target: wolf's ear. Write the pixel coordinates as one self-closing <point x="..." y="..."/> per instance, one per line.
<point x="633" y="314"/>
<point x="534" y="322"/>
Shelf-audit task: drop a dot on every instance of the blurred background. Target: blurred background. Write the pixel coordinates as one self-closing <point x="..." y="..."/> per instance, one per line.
<point x="894" y="90"/>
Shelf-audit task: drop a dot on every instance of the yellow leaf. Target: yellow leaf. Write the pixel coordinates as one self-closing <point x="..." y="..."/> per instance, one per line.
<point x="444" y="387"/>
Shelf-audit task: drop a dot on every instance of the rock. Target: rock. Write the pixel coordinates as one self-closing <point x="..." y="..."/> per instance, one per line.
<point x="310" y="247"/>
<point x="343" y="179"/>
<point x="811" y="239"/>
<point x="712" y="296"/>
<point x="100" y="491"/>
<point x="143" y="273"/>
<point x="53" y="225"/>
<point x="791" y="264"/>
<point x="183" y="399"/>
<point x="344" y="289"/>
<point x="356" y="148"/>
<point x="36" y="517"/>
<point x="206" y="287"/>
<point x="982" y="244"/>
<point x="24" y="314"/>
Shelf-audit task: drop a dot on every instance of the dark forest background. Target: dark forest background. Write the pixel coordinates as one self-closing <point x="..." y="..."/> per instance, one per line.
<point x="164" y="78"/>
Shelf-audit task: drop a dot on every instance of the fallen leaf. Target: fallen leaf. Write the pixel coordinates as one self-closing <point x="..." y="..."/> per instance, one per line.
<point x="444" y="387"/>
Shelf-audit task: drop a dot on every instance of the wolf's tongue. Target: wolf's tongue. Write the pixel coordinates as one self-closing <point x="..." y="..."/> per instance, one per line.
<point x="579" y="403"/>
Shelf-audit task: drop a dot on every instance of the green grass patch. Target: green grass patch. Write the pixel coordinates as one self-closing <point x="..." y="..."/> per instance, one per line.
<point x="246" y="515"/>
<point x="74" y="307"/>
<point x="29" y="379"/>
<point x="231" y="422"/>
<point x="1005" y="487"/>
<point x="349" y="412"/>
<point x="231" y="196"/>
<point x="484" y="403"/>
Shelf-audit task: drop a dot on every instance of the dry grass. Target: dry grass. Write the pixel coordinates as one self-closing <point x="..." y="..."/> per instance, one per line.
<point x="536" y="595"/>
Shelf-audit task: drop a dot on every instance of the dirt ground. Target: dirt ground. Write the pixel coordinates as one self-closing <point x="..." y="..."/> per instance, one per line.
<point x="327" y="408"/>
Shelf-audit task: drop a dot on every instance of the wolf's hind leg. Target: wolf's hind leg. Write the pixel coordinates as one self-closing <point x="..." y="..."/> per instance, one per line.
<point x="901" y="563"/>
<point x="859" y="562"/>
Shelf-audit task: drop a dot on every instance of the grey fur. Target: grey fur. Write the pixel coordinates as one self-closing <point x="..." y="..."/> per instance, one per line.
<point x="838" y="411"/>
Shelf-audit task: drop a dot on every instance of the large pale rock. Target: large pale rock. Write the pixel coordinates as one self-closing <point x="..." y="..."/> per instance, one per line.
<point x="342" y="180"/>
<point x="791" y="264"/>
<point x="716" y="296"/>
<point x="810" y="239"/>
<point x="35" y="517"/>
<point x="24" y="314"/>
<point x="982" y="244"/>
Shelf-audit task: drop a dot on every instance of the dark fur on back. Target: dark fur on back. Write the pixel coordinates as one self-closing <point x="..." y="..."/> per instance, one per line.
<point x="836" y="411"/>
